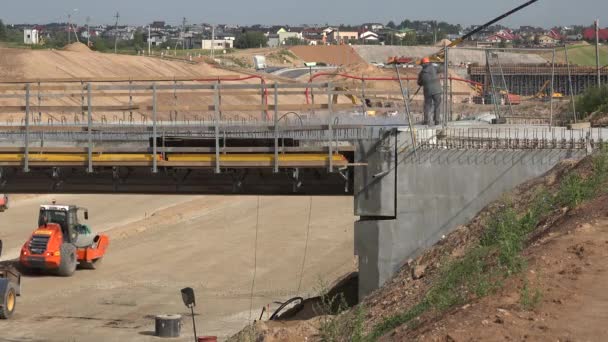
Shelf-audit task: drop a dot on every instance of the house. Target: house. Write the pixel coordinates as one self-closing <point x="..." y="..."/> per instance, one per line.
<point x="285" y="34"/>
<point x="217" y="44"/>
<point x="375" y="27"/>
<point x="342" y="37"/>
<point x="312" y="34"/>
<point x="369" y="36"/>
<point x="273" y="40"/>
<point x="30" y="37"/>
<point x="156" y="38"/>
<point x="555" y="34"/>
<point x="157" y="26"/>
<point x="545" y="40"/>
<point x="589" y="34"/>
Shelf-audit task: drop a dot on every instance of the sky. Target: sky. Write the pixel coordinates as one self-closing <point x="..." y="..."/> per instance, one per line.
<point x="545" y="13"/>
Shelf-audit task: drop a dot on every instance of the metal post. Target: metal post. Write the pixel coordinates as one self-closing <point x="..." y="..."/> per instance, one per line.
<point x="405" y="95"/>
<point x="264" y="114"/>
<point x="89" y="129"/>
<point x="492" y="85"/>
<point x="39" y="102"/>
<point x="597" y="52"/>
<point x="26" y="161"/>
<point x="82" y="99"/>
<point x="216" y="113"/>
<point x="570" y="84"/>
<point x="330" y="126"/>
<point x="552" y="89"/>
<point x="363" y="96"/>
<point x="130" y="101"/>
<point x="451" y="100"/>
<point x="154" y="133"/>
<point x="175" y="99"/>
<point x="504" y="83"/>
<point x="445" y="86"/>
<point x="276" y="127"/>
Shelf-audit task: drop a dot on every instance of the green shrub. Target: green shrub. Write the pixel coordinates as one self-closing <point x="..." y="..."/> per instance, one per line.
<point x="593" y="100"/>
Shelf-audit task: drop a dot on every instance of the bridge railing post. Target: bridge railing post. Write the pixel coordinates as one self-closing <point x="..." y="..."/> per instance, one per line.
<point x="89" y="130"/>
<point x="264" y="114"/>
<point x="216" y="113"/>
<point x="330" y="126"/>
<point x="276" y="127"/>
<point x="26" y="157"/>
<point x="154" y="133"/>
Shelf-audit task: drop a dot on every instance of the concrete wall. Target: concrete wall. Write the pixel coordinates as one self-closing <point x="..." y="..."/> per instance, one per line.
<point x="432" y="194"/>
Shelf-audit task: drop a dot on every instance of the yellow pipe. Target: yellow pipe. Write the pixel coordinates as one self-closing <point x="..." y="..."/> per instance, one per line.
<point x="134" y="157"/>
<point x="261" y="157"/>
<point x="77" y="157"/>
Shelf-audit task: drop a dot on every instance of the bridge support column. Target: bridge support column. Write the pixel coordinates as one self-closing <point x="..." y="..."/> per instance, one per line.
<point x="407" y="203"/>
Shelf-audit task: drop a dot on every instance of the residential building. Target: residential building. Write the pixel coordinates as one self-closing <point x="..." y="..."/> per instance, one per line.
<point x="342" y="37"/>
<point x="156" y="38"/>
<point x="313" y="35"/>
<point x="545" y="40"/>
<point x="285" y="34"/>
<point x="369" y="36"/>
<point x="375" y="27"/>
<point x="217" y="44"/>
<point x="589" y="34"/>
<point x="30" y="37"/>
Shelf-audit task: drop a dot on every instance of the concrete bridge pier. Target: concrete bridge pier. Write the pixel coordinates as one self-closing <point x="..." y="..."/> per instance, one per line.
<point x="406" y="202"/>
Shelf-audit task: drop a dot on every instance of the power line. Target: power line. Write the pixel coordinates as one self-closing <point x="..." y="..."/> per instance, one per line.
<point x="117" y="16"/>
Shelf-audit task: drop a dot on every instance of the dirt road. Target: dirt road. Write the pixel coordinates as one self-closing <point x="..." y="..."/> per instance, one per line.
<point x="159" y="246"/>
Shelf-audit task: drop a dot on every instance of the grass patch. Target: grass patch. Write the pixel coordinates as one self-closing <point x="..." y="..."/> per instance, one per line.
<point x="530" y="299"/>
<point x="497" y="256"/>
<point x="337" y="327"/>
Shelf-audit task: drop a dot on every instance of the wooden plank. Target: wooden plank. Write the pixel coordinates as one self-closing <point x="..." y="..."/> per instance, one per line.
<point x="580" y="125"/>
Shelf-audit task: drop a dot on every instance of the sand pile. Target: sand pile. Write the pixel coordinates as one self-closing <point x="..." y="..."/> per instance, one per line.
<point x="77" y="47"/>
<point x="329" y="54"/>
<point x="443" y="42"/>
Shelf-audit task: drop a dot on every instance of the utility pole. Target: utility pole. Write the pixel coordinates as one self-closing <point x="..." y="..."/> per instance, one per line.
<point x="149" y="39"/>
<point x="184" y="25"/>
<point x="597" y="52"/>
<point x="69" y="27"/>
<point x="116" y="33"/>
<point x="213" y="42"/>
<point x="88" y="32"/>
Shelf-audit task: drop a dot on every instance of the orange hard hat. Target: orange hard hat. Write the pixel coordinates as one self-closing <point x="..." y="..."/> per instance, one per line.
<point x="425" y="60"/>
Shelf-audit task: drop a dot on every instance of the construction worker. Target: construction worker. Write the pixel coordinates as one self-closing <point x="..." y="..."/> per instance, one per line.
<point x="429" y="80"/>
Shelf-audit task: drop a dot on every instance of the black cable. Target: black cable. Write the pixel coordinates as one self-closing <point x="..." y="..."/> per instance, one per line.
<point x="255" y="258"/>
<point x="305" y="246"/>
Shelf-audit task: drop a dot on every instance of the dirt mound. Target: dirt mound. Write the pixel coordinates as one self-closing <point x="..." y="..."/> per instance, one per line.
<point x="77" y="47"/>
<point x="527" y="267"/>
<point x="329" y="54"/>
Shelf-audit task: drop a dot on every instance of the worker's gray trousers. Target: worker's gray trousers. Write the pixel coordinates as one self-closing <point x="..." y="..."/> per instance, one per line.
<point x="432" y="110"/>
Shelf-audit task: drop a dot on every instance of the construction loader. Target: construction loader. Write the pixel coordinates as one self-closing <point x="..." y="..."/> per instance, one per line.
<point x="61" y="244"/>
<point x="10" y="288"/>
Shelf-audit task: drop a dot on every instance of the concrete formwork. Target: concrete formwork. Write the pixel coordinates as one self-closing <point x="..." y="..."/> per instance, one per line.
<point x="413" y="200"/>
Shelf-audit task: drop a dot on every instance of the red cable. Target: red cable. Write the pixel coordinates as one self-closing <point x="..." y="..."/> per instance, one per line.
<point x="312" y="78"/>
